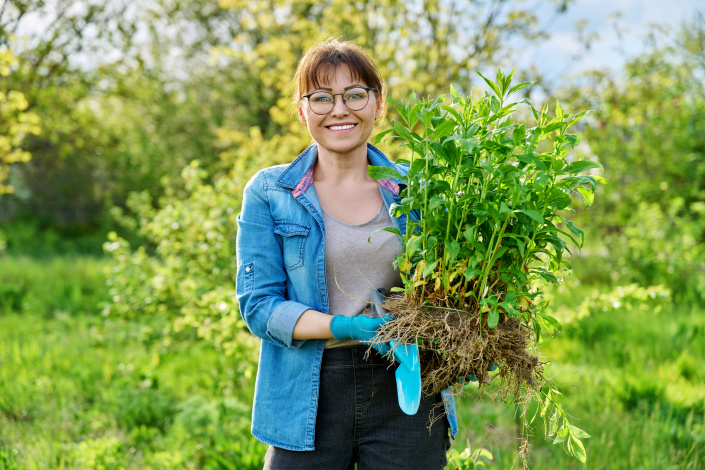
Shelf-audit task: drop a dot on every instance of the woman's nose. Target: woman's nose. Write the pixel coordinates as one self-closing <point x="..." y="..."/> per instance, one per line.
<point x="339" y="107"/>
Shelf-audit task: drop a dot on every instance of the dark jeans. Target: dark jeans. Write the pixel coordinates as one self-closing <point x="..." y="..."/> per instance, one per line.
<point x="359" y="420"/>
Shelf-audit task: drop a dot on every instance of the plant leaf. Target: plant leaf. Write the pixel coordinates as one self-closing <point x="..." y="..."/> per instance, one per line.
<point x="393" y="230"/>
<point x="429" y="269"/>
<point x="492" y="318"/>
<point x="583" y="165"/>
<point x="578" y="449"/>
<point x="588" y="195"/>
<point x="471" y="273"/>
<point x="383" y="173"/>
<point x="534" y="215"/>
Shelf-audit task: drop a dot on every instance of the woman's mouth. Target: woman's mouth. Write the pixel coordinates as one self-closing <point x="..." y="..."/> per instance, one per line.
<point x="341" y="127"/>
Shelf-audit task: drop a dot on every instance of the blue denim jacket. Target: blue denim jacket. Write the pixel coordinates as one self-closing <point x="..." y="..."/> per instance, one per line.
<point x="280" y="275"/>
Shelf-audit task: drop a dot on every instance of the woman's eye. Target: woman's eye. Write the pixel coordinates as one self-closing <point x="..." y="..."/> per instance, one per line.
<point x="321" y="98"/>
<point x="356" y="95"/>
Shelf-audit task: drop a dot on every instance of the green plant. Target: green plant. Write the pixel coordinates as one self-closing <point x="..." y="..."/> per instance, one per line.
<point x="487" y="201"/>
<point x="467" y="459"/>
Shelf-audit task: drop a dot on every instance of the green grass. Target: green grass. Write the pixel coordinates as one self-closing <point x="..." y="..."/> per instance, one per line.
<point x="80" y="390"/>
<point x="632" y="379"/>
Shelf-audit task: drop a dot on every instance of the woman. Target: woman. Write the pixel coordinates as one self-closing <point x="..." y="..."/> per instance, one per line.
<point x="303" y="259"/>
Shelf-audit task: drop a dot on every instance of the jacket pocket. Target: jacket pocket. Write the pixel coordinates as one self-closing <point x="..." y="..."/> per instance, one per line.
<point x="293" y="242"/>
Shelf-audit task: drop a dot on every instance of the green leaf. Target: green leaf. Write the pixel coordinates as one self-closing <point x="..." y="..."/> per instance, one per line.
<point x="552" y="321"/>
<point x="583" y="165"/>
<point x="579" y="433"/>
<point x="454" y="112"/>
<point x="534" y="215"/>
<point x="444" y="129"/>
<point x="531" y="159"/>
<point x="518" y="87"/>
<point x="429" y="269"/>
<point x="561" y="435"/>
<point x="453" y="92"/>
<point x="546" y="275"/>
<point x="578" y="449"/>
<point x="383" y="173"/>
<point x="588" y="195"/>
<point x="393" y="230"/>
<point x="575" y="230"/>
<point x="559" y="110"/>
<point x="491" y="84"/>
<point x="380" y="136"/>
<point x="413" y="245"/>
<point x="436" y="202"/>
<point x="492" y="318"/>
<point x="498" y="255"/>
<point x="471" y="273"/>
<point x="453" y="248"/>
<point x="552" y="424"/>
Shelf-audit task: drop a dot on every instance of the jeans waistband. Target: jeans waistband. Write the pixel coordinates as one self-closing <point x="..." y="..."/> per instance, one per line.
<point x="354" y="356"/>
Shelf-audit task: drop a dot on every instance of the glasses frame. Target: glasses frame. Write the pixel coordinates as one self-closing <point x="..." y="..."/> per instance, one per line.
<point x="308" y="99"/>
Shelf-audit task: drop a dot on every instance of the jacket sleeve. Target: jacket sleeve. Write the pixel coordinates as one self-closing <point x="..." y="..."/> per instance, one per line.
<point x="261" y="276"/>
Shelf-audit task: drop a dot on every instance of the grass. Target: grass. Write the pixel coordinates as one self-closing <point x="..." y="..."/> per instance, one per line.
<point x="633" y="379"/>
<point x="79" y="390"/>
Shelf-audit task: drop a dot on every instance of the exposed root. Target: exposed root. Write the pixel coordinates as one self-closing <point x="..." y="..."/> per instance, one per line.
<point x="456" y="344"/>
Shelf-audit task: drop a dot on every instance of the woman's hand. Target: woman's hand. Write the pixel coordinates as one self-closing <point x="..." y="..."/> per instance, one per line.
<point x="361" y="328"/>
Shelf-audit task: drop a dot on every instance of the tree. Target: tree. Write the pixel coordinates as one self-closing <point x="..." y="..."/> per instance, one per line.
<point x="648" y="132"/>
<point x="15" y="124"/>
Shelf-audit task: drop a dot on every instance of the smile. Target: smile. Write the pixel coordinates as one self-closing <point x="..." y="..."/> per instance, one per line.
<point x="342" y="128"/>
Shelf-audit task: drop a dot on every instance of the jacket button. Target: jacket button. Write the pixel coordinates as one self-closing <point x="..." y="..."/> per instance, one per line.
<point x="247" y="269"/>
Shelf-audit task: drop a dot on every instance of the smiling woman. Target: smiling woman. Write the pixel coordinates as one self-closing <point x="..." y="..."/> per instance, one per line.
<point x="303" y="259"/>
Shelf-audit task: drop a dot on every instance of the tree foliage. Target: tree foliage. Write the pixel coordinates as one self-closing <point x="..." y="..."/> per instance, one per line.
<point x="648" y="132"/>
<point x="15" y="124"/>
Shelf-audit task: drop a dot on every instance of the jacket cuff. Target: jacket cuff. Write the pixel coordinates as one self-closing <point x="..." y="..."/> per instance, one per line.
<point x="280" y="326"/>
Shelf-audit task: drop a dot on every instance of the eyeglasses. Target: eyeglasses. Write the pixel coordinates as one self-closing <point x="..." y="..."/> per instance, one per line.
<point x="322" y="102"/>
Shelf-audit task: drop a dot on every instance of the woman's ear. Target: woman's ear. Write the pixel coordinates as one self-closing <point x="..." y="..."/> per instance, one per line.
<point x="302" y="116"/>
<point x="378" y="108"/>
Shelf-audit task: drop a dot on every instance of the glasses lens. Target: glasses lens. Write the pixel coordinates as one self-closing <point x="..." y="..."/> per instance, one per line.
<point x="356" y="98"/>
<point x="321" y="102"/>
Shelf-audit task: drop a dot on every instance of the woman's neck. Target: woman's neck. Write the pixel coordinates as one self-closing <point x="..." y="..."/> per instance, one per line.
<point x="337" y="168"/>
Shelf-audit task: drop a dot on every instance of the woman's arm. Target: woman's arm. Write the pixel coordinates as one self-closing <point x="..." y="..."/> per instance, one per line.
<point x="313" y="325"/>
<point x="261" y="276"/>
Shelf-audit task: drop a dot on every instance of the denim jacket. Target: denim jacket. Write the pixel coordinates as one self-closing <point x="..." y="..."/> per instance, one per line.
<point x="280" y="275"/>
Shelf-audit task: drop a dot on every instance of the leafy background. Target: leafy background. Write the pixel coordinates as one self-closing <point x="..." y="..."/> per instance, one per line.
<point x="127" y="131"/>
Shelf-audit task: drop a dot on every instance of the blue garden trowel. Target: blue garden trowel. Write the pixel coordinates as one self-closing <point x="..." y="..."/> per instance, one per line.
<point x="408" y="376"/>
<point x="408" y="372"/>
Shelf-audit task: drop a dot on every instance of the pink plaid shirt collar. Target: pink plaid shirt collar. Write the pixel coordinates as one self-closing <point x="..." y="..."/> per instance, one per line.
<point x="307" y="181"/>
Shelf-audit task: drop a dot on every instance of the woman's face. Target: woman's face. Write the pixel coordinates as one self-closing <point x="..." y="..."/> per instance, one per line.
<point x="341" y="131"/>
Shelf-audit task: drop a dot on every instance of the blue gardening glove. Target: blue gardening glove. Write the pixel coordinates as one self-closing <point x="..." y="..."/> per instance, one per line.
<point x="472" y="378"/>
<point x="359" y="327"/>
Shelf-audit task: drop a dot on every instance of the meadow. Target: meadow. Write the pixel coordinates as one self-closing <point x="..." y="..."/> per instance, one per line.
<point x="82" y="390"/>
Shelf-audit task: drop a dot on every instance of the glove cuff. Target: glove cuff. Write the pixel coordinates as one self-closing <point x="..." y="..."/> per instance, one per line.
<point x="340" y="327"/>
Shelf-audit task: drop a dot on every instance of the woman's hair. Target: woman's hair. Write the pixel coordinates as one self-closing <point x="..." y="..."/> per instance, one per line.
<point x="319" y="63"/>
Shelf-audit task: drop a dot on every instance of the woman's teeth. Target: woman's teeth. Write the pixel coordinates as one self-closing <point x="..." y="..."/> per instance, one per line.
<point x="341" y="128"/>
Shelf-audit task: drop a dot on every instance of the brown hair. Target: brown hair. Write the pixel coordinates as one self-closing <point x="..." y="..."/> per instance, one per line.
<point x="320" y="62"/>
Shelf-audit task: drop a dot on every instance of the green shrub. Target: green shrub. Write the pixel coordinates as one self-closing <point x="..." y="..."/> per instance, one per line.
<point x="105" y="453"/>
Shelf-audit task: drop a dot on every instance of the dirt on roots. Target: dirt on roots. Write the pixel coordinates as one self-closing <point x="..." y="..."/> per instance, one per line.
<point x="457" y="343"/>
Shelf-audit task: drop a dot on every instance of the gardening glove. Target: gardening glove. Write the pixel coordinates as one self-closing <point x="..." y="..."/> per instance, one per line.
<point x="359" y="327"/>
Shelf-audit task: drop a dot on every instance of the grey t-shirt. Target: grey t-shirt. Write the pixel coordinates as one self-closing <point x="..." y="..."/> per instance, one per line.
<point x="354" y="267"/>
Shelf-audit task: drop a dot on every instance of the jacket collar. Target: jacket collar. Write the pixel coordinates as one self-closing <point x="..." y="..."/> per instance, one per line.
<point x="299" y="174"/>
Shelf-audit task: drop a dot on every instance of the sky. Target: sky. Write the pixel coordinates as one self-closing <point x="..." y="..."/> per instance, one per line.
<point x="553" y="58"/>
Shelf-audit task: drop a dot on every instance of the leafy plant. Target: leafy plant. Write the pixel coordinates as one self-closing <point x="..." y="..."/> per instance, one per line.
<point x="487" y="202"/>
